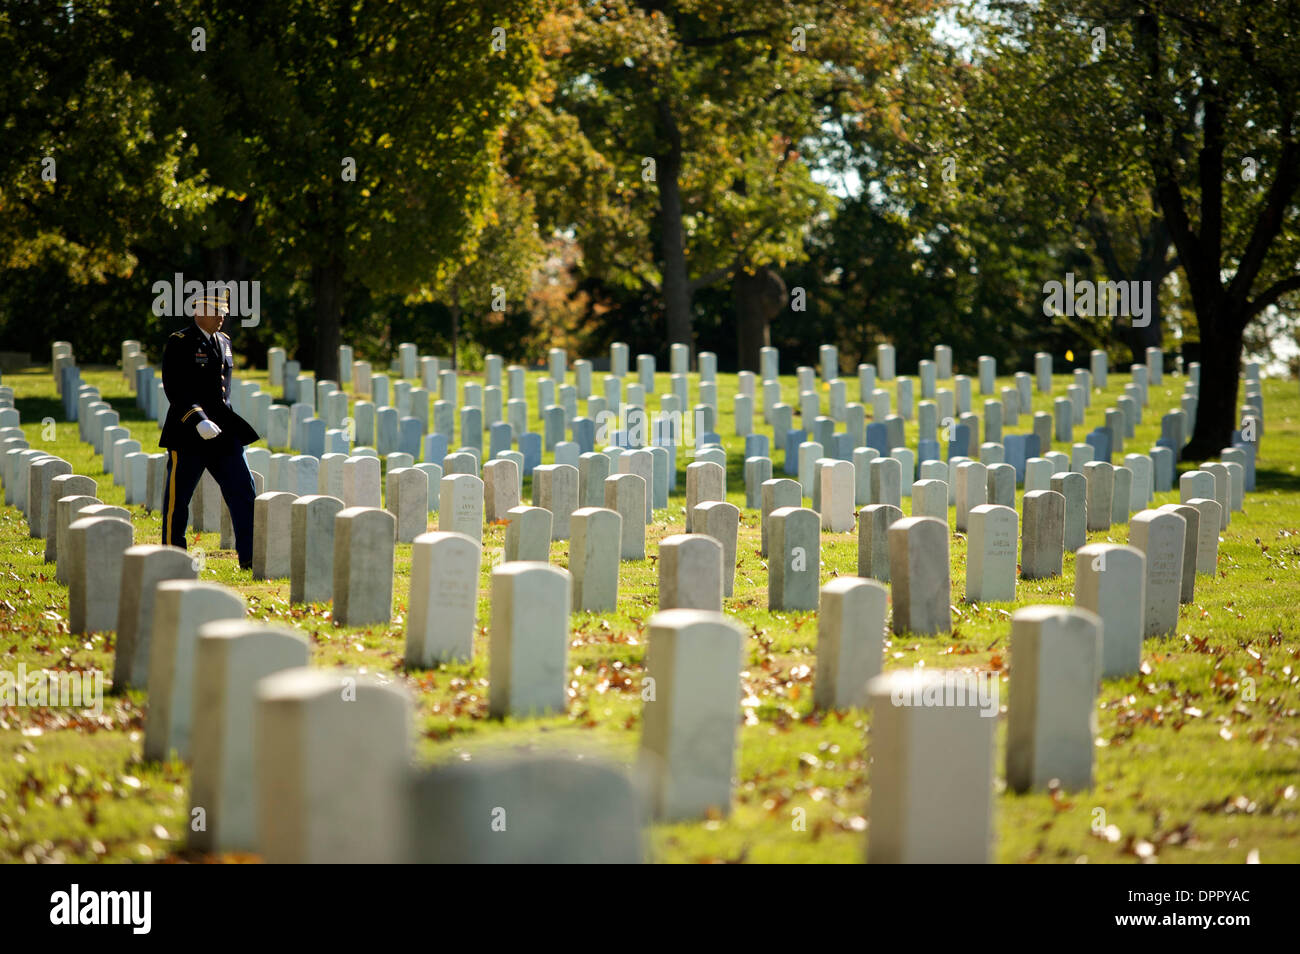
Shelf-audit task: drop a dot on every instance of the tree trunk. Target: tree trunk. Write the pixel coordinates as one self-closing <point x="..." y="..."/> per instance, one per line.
<point x="1216" y="408"/>
<point x="1153" y="270"/>
<point x="759" y="297"/>
<point x="1152" y="336"/>
<point x="676" y="281"/>
<point x="229" y="263"/>
<point x="327" y="295"/>
<point x="455" y="333"/>
<point x="1152" y="266"/>
<point x="672" y="232"/>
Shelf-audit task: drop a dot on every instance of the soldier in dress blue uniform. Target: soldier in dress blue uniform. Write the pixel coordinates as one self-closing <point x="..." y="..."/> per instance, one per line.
<point x="202" y="431"/>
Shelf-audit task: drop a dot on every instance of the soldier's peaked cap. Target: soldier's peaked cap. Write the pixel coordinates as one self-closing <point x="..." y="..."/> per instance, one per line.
<point x="218" y="300"/>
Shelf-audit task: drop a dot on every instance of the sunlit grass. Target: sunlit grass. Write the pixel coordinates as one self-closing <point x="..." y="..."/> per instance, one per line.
<point x="1196" y="758"/>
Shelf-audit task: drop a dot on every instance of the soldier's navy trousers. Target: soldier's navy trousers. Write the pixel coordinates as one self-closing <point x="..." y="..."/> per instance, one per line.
<point x="230" y="470"/>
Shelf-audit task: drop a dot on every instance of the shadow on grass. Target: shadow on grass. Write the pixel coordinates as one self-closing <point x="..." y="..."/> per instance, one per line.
<point x="37" y="408"/>
<point x="1266" y="479"/>
<point x="1278" y="480"/>
<point x="33" y="409"/>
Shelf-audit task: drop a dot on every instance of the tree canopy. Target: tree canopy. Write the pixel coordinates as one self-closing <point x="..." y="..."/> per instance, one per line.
<point x="514" y="174"/>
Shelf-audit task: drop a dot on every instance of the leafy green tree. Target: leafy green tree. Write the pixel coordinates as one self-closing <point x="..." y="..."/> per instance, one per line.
<point x="89" y="173"/>
<point x="1182" y="113"/>
<point x="694" y="120"/>
<point x="495" y="266"/>
<point x="358" y="139"/>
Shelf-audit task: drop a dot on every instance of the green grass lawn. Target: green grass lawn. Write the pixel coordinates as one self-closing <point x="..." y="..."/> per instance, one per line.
<point x="1198" y="758"/>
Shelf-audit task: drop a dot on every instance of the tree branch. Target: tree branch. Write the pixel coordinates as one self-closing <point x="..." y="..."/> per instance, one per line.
<point x="1210" y="171"/>
<point x="707" y="41"/>
<point x="1097" y="224"/>
<point x="707" y="279"/>
<point x="1271" y="296"/>
<point x="1268" y="222"/>
<point x="1170" y="194"/>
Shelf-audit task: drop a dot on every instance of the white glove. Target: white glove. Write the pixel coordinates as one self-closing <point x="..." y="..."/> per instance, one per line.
<point x="208" y="430"/>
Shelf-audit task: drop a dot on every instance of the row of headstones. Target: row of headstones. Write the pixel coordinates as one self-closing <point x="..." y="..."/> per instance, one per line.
<point x="298" y="530"/>
<point x="1019" y="450"/>
<point x="314" y="541"/>
<point x="281" y="426"/>
<point x="685" y="573"/>
<point x="291" y="426"/>
<point x="289" y="542"/>
<point x="408" y="363"/>
<point x="265" y="734"/>
<point x="411" y="491"/>
<point x="282" y="540"/>
<point x="885" y="438"/>
<point x="374" y="415"/>
<point x="836" y="517"/>
<point x="202" y="705"/>
<point x="901" y="468"/>
<point x="942" y="402"/>
<point x="941" y="367"/>
<point x="142" y="474"/>
<point x="490" y="401"/>
<point x="1084" y="504"/>
<point x="1031" y="470"/>
<point x="51" y="497"/>
<point x="187" y="643"/>
<point x="66" y="374"/>
<point x="1113" y="492"/>
<point x="966" y="437"/>
<point x="1175" y="425"/>
<point x="1251" y="410"/>
<point x="269" y="735"/>
<point x="1087" y="499"/>
<point x="584" y="430"/>
<point x="843" y="491"/>
<point x="1053" y="522"/>
<point x="141" y="378"/>
<point x="953" y="411"/>
<point x="357" y="479"/>
<point x="210" y="704"/>
<point x="1067" y="412"/>
<point x="407" y="426"/>
<point x="390" y="428"/>
<point x="1020" y="447"/>
<point x="255" y="778"/>
<point x="1056" y="519"/>
<point x="330" y="550"/>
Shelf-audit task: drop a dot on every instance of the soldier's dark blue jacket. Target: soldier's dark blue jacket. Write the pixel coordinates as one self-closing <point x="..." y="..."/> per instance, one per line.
<point x="196" y="378"/>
